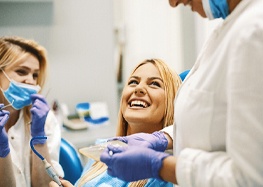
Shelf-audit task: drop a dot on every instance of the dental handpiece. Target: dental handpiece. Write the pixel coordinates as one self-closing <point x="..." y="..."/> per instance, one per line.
<point x="51" y="172"/>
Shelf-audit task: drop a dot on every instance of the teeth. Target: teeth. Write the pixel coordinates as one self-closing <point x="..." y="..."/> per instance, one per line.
<point x="139" y="103"/>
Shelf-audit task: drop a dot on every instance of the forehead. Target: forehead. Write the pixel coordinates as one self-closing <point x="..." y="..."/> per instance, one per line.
<point x="29" y="61"/>
<point x="147" y="70"/>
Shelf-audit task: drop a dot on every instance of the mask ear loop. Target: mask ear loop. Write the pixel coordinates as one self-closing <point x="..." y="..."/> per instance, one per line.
<point x="5" y="75"/>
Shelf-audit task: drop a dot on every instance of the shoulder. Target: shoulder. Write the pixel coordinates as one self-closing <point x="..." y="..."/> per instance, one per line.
<point x="249" y="21"/>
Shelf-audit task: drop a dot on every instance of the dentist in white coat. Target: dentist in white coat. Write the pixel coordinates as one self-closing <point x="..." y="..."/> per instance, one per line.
<point x="218" y="129"/>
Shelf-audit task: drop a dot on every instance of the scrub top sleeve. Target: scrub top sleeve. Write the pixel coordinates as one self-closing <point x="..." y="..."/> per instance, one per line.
<point x="168" y="130"/>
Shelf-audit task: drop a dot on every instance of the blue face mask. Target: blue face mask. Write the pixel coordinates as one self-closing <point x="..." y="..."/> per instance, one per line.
<point x="216" y="8"/>
<point x="18" y="94"/>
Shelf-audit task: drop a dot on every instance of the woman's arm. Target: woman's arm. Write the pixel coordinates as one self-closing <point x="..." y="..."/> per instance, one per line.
<point x="168" y="171"/>
<point x="43" y="124"/>
<point x="7" y="177"/>
<point x="39" y="177"/>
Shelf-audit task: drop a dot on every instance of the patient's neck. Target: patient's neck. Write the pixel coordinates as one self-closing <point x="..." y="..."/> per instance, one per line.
<point x="146" y="128"/>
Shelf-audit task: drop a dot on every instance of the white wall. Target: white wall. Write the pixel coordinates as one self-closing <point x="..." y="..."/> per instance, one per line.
<point x="82" y="49"/>
<point x="153" y="29"/>
<point x="150" y="29"/>
<point x="78" y="36"/>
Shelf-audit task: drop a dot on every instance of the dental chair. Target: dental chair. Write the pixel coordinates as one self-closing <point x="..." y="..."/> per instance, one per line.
<point x="183" y="74"/>
<point x="70" y="161"/>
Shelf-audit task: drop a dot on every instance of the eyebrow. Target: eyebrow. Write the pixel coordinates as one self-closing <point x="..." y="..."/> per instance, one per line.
<point x="27" y="68"/>
<point x="149" y="78"/>
<point x="152" y="78"/>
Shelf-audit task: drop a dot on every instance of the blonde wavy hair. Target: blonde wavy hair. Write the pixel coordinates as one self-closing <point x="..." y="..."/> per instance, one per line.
<point x="13" y="49"/>
<point x="171" y="85"/>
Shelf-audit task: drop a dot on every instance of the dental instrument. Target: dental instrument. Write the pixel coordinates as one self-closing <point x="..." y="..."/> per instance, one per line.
<point x="49" y="169"/>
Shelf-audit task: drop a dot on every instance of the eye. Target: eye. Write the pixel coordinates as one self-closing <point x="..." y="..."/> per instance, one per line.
<point x="155" y="83"/>
<point x="131" y="82"/>
<point x="35" y="75"/>
<point x="21" y="72"/>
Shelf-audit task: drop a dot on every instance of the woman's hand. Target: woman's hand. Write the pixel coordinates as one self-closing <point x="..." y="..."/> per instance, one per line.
<point x="39" y="112"/>
<point x="156" y="141"/>
<point x="131" y="163"/>
<point x="65" y="183"/>
<point x="4" y="146"/>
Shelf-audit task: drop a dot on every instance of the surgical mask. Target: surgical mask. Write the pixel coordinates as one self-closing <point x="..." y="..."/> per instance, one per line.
<point x="216" y="8"/>
<point x="18" y="94"/>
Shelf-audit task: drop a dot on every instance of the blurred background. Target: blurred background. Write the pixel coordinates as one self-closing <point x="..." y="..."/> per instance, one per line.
<point x="94" y="44"/>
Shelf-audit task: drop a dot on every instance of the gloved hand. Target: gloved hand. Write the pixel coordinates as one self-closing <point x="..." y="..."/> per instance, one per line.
<point x="156" y="140"/>
<point x="39" y="112"/>
<point x="4" y="145"/>
<point x="132" y="163"/>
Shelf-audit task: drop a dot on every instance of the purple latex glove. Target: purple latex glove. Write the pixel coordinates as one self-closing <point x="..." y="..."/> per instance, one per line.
<point x="132" y="163"/>
<point x="39" y="112"/>
<point x="156" y="140"/>
<point x="4" y="145"/>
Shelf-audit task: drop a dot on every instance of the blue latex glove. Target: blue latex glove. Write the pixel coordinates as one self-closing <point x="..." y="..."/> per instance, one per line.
<point x="4" y="145"/>
<point x="156" y="140"/>
<point x="132" y="163"/>
<point x="39" y="112"/>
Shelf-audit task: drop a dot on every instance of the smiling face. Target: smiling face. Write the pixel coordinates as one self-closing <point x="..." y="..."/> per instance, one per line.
<point x="196" y="5"/>
<point x="143" y="100"/>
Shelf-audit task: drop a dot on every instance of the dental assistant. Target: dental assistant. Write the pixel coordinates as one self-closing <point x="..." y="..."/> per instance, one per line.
<point x="24" y="114"/>
<point x="218" y="129"/>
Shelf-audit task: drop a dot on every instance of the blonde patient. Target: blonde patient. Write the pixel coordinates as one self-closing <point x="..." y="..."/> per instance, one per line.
<point x="147" y="105"/>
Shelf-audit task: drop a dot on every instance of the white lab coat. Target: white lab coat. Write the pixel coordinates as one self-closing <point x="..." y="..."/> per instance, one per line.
<point x="219" y="107"/>
<point x="21" y="152"/>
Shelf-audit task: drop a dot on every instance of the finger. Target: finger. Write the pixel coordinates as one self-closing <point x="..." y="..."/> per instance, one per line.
<point x="33" y="110"/>
<point x="4" y="112"/>
<point x="53" y="184"/>
<point x="123" y="139"/>
<point x="116" y="149"/>
<point x="110" y="172"/>
<point x="66" y="183"/>
<point x="34" y="97"/>
<point x="39" y="104"/>
<point x="105" y="156"/>
<point x="4" y="120"/>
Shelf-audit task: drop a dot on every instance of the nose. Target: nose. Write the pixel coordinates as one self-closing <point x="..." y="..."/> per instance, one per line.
<point x="140" y="91"/>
